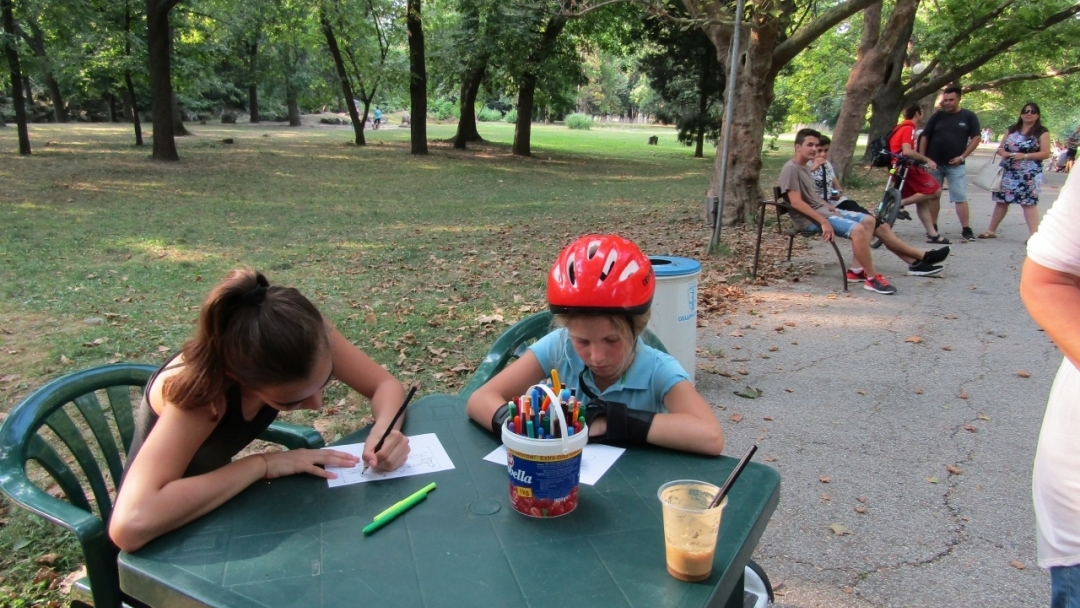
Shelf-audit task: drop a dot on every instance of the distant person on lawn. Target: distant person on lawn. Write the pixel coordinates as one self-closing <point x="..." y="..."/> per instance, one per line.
<point x="798" y="184"/>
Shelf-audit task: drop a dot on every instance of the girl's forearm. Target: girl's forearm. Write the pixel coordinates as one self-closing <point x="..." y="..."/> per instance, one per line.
<point x="688" y="433"/>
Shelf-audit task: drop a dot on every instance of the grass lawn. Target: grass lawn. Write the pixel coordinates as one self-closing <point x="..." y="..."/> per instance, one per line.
<point x="422" y="261"/>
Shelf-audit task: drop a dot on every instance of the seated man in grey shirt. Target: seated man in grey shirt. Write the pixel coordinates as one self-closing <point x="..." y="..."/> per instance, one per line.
<point x="798" y="184"/>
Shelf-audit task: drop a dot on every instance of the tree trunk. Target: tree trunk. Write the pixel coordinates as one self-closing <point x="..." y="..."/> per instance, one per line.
<point x="888" y="99"/>
<point x="8" y="17"/>
<point x="253" y="103"/>
<point x="703" y="106"/>
<point x="527" y="90"/>
<point x="161" y="93"/>
<point x="110" y="107"/>
<point x="523" y="126"/>
<point x="131" y="100"/>
<point x="343" y="77"/>
<point x="179" y="130"/>
<point x="294" y="108"/>
<point x="253" y="88"/>
<point x="466" y="128"/>
<point x="36" y="42"/>
<point x="866" y="75"/>
<point x="418" y="78"/>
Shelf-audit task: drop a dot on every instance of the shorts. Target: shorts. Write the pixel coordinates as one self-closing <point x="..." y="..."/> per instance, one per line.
<point x="919" y="182"/>
<point x="956" y="176"/>
<point x="841" y="224"/>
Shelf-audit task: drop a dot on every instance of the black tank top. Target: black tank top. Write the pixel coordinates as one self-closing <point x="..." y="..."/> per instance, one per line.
<point x="231" y="434"/>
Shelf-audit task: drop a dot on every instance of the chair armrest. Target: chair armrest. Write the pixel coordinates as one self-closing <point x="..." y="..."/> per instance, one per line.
<point x="85" y="525"/>
<point x="292" y="436"/>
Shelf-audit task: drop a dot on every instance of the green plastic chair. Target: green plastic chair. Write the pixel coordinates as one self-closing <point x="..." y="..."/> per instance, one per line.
<point x="513" y="343"/>
<point x="70" y="408"/>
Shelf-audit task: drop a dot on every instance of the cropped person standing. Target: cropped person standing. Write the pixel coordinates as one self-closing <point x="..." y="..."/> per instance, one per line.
<point x="950" y="136"/>
<point x="1049" y="286"/>
<point x="920" y="188"/>
<point x="1025" y="145"/>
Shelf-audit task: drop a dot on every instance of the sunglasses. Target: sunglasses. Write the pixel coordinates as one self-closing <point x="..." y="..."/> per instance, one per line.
<point x="1029" y="111"/>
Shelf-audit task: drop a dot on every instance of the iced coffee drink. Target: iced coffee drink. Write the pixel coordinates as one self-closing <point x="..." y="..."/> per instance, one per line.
<point x="690" y="528"/>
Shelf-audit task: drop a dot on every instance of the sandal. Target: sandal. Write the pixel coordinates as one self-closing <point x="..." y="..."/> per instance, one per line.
<point x="988" y="235"/>
<point x="938" y="240"/>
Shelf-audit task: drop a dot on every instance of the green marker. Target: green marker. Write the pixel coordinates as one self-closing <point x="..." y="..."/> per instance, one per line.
<point x="400" y="507"/>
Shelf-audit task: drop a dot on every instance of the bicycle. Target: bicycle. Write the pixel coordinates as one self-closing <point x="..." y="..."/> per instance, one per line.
<point x="889" y="205"/>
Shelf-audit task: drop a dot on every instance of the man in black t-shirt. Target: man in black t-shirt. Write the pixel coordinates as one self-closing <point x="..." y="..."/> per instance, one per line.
<point x="950" y="136"/>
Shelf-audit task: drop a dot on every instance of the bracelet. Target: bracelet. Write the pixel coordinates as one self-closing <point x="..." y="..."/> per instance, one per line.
<point x="266" y="464"/>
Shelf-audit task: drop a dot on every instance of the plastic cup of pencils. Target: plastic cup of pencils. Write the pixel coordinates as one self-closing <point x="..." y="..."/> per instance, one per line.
<point x="690" y="527"/>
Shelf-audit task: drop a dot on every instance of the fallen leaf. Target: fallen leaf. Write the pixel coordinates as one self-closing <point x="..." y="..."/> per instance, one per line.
<point x="370" y="318"/>
<point x="918" y="390"/>
<point x="768" y="418"/>
<point x="964" y="394"/>
<point x="65" y="360"/>
<point x="969" y="428"/>
<point x="950" y="317"/>
<point x="97" y="342"/>
<point x="932" y="479"/>
<point x="839" y="529"/>
<point x="914" y="339"/>
<point x="849" y="590"/>
<point x="825" y="498"/>
<point x="1017" y="564"/>
<point x="948" y="348"/>
<point x="824" y="479"/>
<point x="861" y="499"/>
<point x="742" y="371"/>
<point x="789" y="390"/>
<point x="749" y="393"/>
<point x="69" y="580"/>
<point x="736" y="334"/>
<point x="861" y="392"/>
<point x="163" y="349"/>
<point x="982" y="416"/>
<point x="779" y="329"/>
<point x="485" y="319"/>
<point x="953" y="469"/>
<point x="47" y="560"/>
<point x="735" y="418"/>
<point x="789" y="323"/>
<point x="9" y="378"/>
<point x="1023" y="374"/>
<point x="770" y="459"/>
<point x="860" y="510"/>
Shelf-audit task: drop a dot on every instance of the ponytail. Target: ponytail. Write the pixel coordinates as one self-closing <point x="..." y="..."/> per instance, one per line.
<point x="249" y="332"/>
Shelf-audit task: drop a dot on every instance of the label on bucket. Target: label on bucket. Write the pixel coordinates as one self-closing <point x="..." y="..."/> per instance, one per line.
<point x="543" y="486"/>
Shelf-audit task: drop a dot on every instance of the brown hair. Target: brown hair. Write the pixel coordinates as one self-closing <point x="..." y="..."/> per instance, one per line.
<point x="257" y="334"/>
<point x="804" y="133"/>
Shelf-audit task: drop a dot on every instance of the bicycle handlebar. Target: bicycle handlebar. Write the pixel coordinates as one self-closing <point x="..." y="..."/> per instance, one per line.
<point x="901" y="159"/>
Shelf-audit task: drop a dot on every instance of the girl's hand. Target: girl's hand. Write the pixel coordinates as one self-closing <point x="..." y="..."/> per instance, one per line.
<point x="292" y="462"/>
<point x="392" y="454"/>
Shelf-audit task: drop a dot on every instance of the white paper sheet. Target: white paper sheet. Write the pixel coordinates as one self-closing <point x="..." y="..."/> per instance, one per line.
<point x="596" y="459"/>
<point x="426" y="455"/>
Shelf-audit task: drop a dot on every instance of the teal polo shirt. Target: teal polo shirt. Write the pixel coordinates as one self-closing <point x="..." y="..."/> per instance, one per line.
<point x="642" y="387"/>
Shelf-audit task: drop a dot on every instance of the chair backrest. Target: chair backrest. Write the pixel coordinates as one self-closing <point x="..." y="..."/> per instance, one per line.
<point x="513" y="343"/>
<point x="781" y="197"/>
<point x="65" y="429"/>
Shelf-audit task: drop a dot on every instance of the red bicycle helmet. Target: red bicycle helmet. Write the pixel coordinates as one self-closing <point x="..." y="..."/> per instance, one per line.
<point x="601" y="274"/>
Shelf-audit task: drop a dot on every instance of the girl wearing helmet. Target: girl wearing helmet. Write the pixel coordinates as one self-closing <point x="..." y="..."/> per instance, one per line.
<point x="600" y="290"/>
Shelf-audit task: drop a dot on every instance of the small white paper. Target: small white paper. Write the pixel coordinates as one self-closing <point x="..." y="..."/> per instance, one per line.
<point x="596" y="459"/>
<point x="426" y="455"/>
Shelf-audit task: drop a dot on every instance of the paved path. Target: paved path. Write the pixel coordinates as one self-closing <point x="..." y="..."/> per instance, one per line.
<point x="850" y="396"/>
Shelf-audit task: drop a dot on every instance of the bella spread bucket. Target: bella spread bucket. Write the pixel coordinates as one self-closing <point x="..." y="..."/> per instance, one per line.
<point x="544" y="473"/>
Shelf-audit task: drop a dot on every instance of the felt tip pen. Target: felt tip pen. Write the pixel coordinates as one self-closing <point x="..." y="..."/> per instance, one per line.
<point x="555" y="381"/>
<point x="532" y="431"/>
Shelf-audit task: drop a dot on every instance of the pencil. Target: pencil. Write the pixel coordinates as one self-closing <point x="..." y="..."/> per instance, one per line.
<point x="397" y="416"/>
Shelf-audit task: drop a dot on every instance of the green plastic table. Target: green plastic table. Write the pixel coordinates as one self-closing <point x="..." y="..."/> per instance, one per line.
<point x="297" y="542"/>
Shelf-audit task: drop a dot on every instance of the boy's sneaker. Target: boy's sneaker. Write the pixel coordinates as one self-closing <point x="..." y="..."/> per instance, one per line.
<point x="967" y="234"/>
<point x="935" y="256"/>
<point x="879" y="284"/>
<point x="903" y="215"/>
<point x="923" y="268"/>
<point x="854" y="277"/>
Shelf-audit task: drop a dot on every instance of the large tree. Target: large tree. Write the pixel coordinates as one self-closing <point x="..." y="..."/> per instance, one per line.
<point x="963" y="38"/>
<point x="159" y="46"/>
<point x="7" y="16"/>
<point x="777" y="33"/>
<point x="873" y="56"/>
<point x="417" y="77"/>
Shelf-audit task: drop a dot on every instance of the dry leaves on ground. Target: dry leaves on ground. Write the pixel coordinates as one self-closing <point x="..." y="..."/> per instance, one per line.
<point x="914" y="339"/>
<point x="839" y="529"/>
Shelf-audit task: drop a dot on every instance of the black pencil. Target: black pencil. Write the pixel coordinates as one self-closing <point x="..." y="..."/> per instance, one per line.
<point x="397" y="416"/>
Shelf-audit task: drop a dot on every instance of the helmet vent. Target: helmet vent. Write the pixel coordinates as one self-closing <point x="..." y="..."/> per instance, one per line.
<point x="570" y="271"/>
<point x="630" y="269"/>
<point x="593" y="246"/>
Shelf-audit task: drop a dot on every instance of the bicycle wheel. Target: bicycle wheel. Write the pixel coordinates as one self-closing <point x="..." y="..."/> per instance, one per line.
<point x="886" y="211"/>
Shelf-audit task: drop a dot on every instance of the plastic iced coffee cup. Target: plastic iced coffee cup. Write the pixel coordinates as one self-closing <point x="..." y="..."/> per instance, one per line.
<point x="690" y="527"/>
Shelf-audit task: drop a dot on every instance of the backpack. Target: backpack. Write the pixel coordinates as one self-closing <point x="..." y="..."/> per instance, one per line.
<point x="877" y="149"/>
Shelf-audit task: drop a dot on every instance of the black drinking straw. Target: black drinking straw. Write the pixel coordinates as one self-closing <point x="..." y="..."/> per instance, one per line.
<point x="386" y="433"/>
<point x="731" y="478"/>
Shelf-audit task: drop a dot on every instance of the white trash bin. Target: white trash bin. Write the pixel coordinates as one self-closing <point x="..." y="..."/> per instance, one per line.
<point x="674" y="309"/>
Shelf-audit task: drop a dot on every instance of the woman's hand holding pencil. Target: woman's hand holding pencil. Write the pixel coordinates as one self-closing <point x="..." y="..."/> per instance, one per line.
<point x="386" y="447"/>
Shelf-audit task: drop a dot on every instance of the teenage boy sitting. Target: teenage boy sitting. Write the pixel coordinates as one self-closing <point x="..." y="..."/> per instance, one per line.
<point x="920" y="188"/>
<point x="797" y="182"/>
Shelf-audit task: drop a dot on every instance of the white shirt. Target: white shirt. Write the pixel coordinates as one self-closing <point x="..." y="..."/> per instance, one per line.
<point x="1056" y="479"/>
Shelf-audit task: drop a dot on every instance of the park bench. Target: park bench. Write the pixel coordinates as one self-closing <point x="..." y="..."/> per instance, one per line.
<point x="783" y="206"/>
<point x="71" y="408"/>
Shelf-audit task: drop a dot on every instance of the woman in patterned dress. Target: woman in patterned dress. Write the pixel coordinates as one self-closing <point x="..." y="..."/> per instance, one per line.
<point x="1024" y="147"/>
